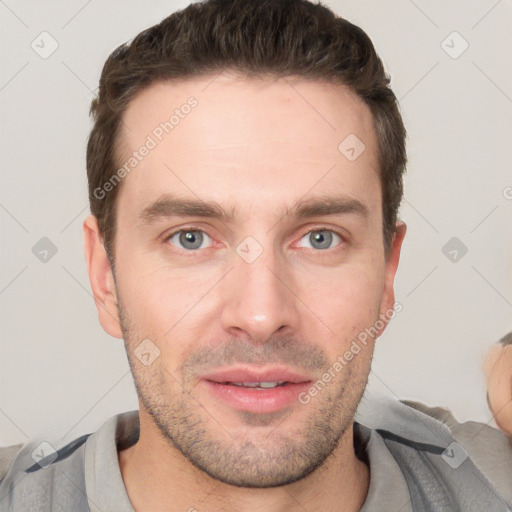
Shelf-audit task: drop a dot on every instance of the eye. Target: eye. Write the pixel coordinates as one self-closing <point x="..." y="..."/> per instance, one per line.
<point x="321" y="238"/>
<point x="189" y="239"/>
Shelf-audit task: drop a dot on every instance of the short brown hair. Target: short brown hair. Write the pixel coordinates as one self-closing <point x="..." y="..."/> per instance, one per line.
<point x="275" y="38"/>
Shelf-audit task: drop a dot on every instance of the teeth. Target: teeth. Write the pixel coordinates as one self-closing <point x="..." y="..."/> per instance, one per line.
<point x="264" y="385"/>
<point x="269" y="384"/>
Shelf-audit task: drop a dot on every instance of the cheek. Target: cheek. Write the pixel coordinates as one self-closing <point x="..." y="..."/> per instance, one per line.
<point x="347" y="299"/>
<point x="168" y="307"/>
<point x="162" y="292"/>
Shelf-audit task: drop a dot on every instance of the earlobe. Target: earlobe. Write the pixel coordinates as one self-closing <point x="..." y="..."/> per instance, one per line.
<point x="101" y="278"/>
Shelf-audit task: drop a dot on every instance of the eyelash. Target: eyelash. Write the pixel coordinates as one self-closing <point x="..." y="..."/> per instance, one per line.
<point x="315" y="229"/>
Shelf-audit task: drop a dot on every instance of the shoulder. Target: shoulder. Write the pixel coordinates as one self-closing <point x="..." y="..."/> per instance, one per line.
<point x="7" y="454"/>
<point x="34" y="474"/>
<point x="490" y="449"/>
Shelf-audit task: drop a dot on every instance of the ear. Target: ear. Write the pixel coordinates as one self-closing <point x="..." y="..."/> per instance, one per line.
<point x="388" y="294"/>
<point x="101" y="278"/>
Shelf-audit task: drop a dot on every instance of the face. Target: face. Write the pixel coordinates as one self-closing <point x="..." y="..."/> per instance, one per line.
<point x="249" y="250"/>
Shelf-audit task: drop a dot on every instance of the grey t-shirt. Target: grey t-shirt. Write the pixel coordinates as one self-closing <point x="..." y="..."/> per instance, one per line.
<point x="417" y="463"/>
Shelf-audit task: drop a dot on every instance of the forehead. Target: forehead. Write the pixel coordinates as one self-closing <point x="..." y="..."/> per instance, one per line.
<point x="220" y="137"/>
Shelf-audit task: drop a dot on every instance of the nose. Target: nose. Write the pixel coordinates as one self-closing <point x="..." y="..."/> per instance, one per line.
<point x="258" y="298"/>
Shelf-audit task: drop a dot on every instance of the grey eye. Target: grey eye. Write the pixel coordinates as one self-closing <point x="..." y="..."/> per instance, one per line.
<point x="189" y="239"/>
<point x="321" y="239"/>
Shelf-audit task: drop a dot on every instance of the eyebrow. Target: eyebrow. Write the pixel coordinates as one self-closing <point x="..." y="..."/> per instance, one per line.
<point x="173" y="206"/>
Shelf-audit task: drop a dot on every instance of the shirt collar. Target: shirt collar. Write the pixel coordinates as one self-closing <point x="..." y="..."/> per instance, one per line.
<point x="104" y="483"/>
<point x="106" y="491"/>
<point x="388" y="489"/>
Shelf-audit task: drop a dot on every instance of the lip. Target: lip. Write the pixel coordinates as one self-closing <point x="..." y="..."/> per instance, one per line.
<point x="255" y="400"/>
<point x="252" y="374"/>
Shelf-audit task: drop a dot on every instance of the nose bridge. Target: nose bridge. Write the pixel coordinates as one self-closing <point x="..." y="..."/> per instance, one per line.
<point x="257" y="300"/>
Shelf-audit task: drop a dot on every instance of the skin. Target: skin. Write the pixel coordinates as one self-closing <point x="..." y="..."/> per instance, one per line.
<point x="257" y="147"/>
<point x="498" y="373"/>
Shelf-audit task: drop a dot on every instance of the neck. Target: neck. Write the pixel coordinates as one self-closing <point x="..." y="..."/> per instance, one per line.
<point x="158" y="477"/>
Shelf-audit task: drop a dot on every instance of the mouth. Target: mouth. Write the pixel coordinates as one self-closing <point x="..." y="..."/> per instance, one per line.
<point x="255" y="385"/>
<point x="255" y="389"/>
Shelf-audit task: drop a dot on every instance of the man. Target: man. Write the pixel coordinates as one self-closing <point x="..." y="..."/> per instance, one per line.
<point x="245" y="173"/>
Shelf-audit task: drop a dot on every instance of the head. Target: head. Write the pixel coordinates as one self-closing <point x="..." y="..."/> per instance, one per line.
<point x="498" y="372"/>
<point x="245" y="173"/>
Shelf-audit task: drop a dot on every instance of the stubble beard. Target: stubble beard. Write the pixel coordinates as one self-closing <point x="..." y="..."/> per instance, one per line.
<point x="279" y="454"/>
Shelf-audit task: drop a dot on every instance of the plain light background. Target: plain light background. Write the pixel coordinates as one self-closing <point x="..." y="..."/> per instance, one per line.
<point x="61" y="373"/>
